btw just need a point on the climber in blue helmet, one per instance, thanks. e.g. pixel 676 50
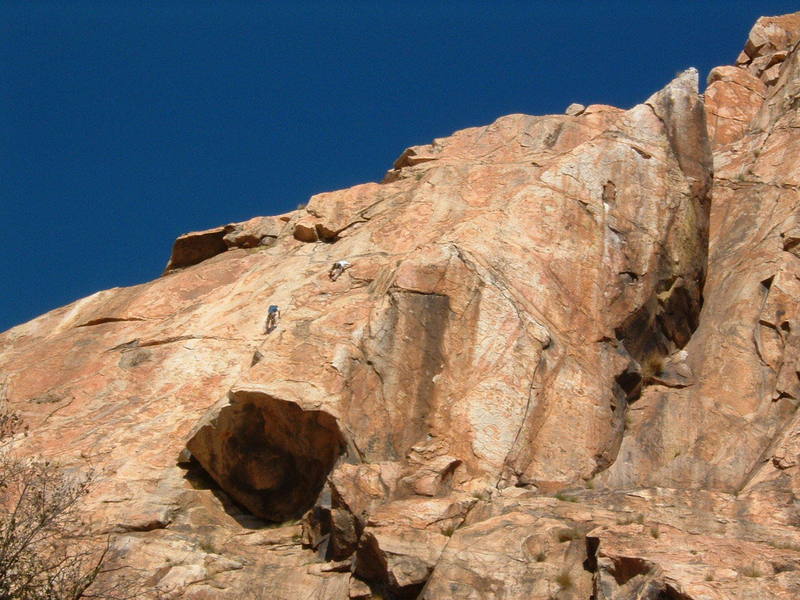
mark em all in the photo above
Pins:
pixel 273 314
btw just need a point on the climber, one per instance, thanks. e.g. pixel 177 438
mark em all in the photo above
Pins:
pixel 338 268
pixel 272 318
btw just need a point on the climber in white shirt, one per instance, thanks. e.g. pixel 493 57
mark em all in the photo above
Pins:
pixel 338 268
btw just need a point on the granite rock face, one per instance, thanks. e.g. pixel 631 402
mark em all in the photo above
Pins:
pixel 744 383
pixel 561 365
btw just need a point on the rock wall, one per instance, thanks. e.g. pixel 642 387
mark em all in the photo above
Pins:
pixel 562 365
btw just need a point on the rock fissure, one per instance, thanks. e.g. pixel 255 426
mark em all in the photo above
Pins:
pixel 505 289
pixel 102 320
pixel 522 424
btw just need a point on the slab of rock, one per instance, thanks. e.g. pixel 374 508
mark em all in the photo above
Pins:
pixel 258 231
pixel 561 365
pixel 732 99
pixel 193 248
pixel 197 246
pixel 575 109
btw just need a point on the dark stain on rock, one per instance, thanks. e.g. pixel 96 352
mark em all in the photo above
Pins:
pixel 48 398
pixel 609 193
pixel 421 320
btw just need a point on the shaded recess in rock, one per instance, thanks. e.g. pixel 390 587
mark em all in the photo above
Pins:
pixel 269 455
pixel 626 568
pixel 592 544
pixel 332 529
pixel 193 248
pixel 372 566
pixel 670 593
pixel 657 329
pixel 103 320
pixel 630 383
pixel 664 324
pixel 199 479
pixel 315 232
pixel 325 234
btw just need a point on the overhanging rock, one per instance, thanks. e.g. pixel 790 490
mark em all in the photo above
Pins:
pixel 268 454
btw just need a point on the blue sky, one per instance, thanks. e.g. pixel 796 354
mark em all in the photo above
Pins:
pixel 125 124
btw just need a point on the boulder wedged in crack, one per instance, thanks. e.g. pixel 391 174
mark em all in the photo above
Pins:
pixel 269 455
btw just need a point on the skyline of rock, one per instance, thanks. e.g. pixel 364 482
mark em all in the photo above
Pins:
pixel 562 365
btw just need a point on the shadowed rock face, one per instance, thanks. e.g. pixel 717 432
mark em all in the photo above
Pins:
pixel 562 365
pixel 197 246
pixel 269 455
pixel 193 248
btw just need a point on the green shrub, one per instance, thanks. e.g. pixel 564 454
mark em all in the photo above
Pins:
pixel 751 571
pixel 564 580
pixel 653 366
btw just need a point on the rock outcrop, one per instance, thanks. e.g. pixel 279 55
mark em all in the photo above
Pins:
pixel 562 365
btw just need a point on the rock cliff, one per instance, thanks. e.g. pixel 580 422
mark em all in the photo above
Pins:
pixel 563 364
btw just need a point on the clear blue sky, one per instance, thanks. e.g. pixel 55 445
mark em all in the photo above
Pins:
pixel 125 124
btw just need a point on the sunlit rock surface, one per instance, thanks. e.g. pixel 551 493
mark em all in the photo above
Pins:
pixel 562 365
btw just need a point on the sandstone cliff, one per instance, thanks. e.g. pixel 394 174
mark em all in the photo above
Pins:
pixel 563 365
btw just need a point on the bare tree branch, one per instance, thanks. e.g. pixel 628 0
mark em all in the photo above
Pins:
pixel 45 552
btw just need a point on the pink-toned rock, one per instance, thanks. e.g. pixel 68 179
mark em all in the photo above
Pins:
pixel 331 215
pixel 522 318
pixel 769 42
pixel 193 248
pixel 575 109
pixel 489 283
pixel 258 231
pixel 197 246
pixel 721 430
pixel 656 543
pixel 732 99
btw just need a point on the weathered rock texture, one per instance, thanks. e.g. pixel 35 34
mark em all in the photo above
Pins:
pixel 562 365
